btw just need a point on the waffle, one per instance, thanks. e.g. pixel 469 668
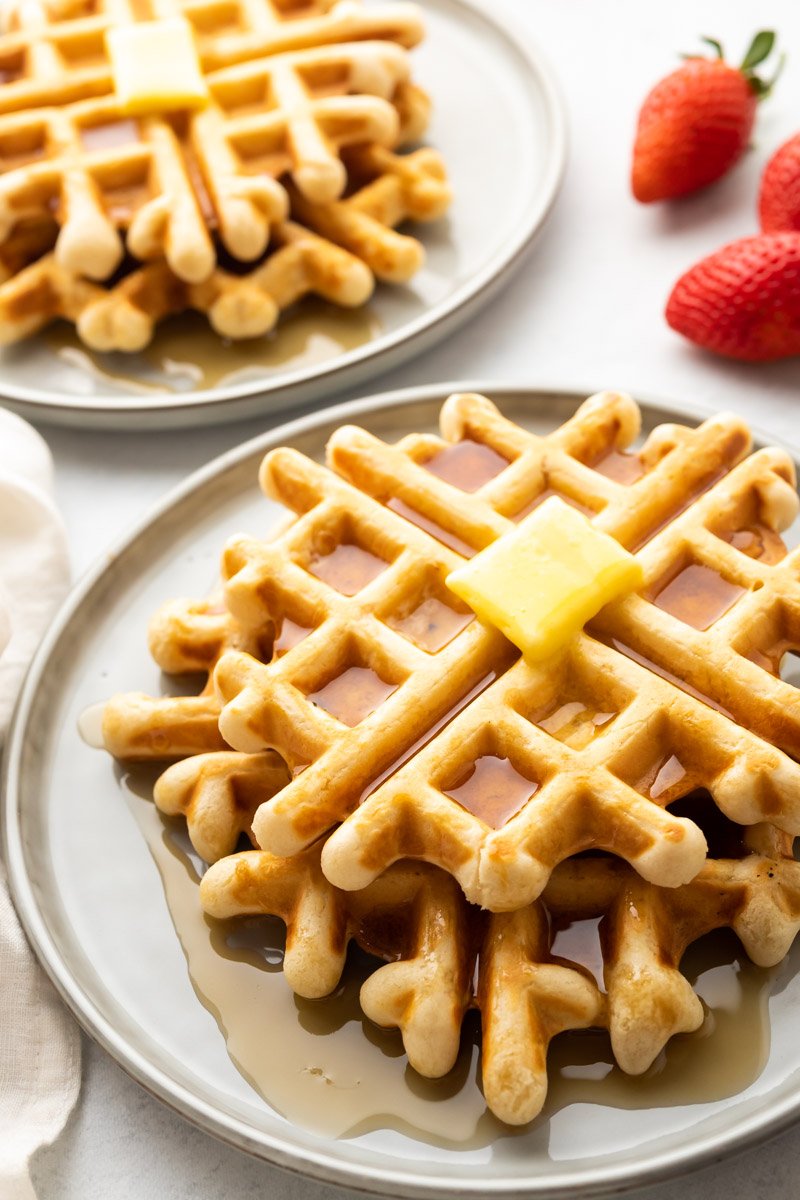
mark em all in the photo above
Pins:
pixel 430 740
pixel 351 688
pixel 216 789
pixel 356 244
pixel 286 183
pixel 53 52
pixel 415 917
pixel 166 182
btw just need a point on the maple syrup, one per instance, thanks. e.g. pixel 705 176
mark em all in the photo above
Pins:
pixel 545 495
pixel 431 625
pixel 90 725
pixel 698 596
pixel 12 69
pixel 109 134
pixel 322 1065
pixel 187 355
pixel 429 734
pixel 120 203
pixel 579 942
pixel 662 777
pixel 353 695
pixel 348 568
pixel 620 466
pixel 722 1058
pixel 492 789
pixel 758 542
pixel 319 1063
pixel 290 634
pixel 574 723
pixel 467 465
pixel 451 540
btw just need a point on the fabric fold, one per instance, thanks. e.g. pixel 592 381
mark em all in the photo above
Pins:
pixel 39 1040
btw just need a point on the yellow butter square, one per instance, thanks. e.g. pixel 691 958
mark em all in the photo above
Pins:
pixel 156 66
pixel 542 582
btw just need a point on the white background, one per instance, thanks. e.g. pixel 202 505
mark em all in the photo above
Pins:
pixel 585 311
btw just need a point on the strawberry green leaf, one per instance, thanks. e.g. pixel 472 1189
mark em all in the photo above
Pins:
pixel 760 47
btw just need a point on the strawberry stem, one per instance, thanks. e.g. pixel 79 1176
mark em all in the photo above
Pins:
pixel 715 45
pixel 759 49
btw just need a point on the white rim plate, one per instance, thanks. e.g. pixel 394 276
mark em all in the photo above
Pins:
pixel 499 122
pixel 91 903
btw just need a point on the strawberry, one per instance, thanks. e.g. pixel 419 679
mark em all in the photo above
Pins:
pixel 779 198
pixel 696 123
pixel 743 301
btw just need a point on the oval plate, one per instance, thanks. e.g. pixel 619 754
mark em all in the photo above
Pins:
pixel 92 904
pixel 500 125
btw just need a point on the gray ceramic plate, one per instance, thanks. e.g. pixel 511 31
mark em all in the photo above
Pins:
pixel 499 123
pixel 93 905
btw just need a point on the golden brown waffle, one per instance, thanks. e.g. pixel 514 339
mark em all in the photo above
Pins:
pixel 584 751
pixel 168 181
pixel 357 242
pixel 415 917
pixel 53 51
pixel 215 788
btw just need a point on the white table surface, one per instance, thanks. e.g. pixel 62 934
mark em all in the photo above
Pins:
pixel 585 311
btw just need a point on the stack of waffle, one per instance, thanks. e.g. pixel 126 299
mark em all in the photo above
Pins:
pixel 410 782
pixel 288 181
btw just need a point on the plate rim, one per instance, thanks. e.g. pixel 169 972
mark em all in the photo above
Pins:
pixel 305 383
pixel 324 1165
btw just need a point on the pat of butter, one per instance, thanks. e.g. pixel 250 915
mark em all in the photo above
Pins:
pixel 542 582
pixel 156 67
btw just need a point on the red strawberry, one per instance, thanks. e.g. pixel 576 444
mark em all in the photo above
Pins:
pixel 696 123
pixel 779 198
pixel 743 301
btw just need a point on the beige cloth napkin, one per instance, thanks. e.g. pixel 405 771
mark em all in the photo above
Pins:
pixel 39 1041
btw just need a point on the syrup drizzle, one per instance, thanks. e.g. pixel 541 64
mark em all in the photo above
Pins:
pixel 621 466
pixel 758 542
pixel 493 789
pixel 290 635
pixel 451 540
pixel 545 495
pixel 353 695
pixel 467 465
pixel 574 723
pixel 698 596
pixel 348 568
pixel 432 624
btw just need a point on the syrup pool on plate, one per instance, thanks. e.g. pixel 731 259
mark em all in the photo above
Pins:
pixel 323 1065
pixel 186 354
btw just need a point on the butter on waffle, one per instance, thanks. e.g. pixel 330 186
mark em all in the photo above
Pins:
pixel 215 788
pixel 357 243
pixel 526 993
pixel 167 182
pixel 53 52
pixel 584 751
